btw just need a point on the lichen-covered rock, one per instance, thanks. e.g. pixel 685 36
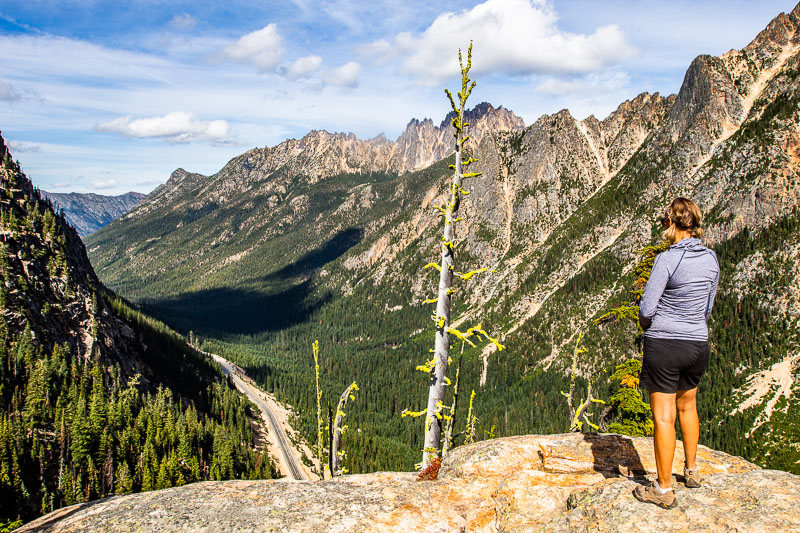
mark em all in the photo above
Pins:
pixel 568 482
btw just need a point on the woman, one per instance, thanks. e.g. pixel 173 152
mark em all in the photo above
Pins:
pixel 673 311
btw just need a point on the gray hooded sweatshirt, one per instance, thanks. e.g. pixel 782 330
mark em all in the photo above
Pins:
pixel 678 297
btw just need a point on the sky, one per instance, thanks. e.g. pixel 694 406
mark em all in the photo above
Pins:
pixel 109 96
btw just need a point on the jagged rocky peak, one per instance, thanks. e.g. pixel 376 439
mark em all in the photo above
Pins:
pixel 321 154
pixel 177 179
pixel 422 143
pixel 177 175
pixel 617 137
pixel 770 47
pixel 180 180
pixel 719 93
pixel 743 73
pixel 777 36
pixel 487 113
pixel 379 139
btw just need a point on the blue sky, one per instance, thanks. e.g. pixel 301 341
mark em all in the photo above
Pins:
pixel 107 97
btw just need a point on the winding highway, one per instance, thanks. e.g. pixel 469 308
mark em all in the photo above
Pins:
pixel 253 394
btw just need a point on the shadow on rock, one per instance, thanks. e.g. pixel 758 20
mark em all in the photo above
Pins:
pixel 615 455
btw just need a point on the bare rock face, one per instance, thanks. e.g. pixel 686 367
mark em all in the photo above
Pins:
pixel 49 286
pixel 422 144
pixel 568 482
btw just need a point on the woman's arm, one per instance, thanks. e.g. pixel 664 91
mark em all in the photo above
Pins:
pixel 659 275
pixel 711 294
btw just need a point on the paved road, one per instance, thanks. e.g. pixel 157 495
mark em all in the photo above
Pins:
pixel 252 393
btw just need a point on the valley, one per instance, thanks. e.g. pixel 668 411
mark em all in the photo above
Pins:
pixel 280 445
pixel 325 237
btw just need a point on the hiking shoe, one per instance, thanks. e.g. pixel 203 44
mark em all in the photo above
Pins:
pixel 649 494
pixel 691 478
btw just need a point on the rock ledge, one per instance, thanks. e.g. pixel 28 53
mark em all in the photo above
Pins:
pixel 567 482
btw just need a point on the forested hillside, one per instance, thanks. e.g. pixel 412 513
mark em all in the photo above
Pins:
pixel 260 260
pixel 96 397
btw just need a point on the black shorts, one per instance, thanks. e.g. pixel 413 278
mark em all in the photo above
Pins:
pixel 671 365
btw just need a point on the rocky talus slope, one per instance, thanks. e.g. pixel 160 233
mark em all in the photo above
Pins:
pixel 569 482
pixel 88 213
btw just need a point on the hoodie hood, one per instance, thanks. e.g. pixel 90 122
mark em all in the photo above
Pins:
pixel 692 244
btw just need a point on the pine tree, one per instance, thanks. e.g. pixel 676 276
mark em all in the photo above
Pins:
pixel 627 405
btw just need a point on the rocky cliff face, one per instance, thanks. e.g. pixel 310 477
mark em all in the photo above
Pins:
pixel 82 374
pixel 550 483
pixel 566 192
pixel 422 144
pixel 90 212
pixel 50 287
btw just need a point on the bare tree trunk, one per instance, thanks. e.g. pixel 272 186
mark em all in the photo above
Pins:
pixel 433 418
pixel 336 455
pixel 332 451
pixel 448 434
pixel 320 458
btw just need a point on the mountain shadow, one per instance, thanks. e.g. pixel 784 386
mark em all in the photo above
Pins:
pixel 315 259
pixel 228 311
pixel 222 311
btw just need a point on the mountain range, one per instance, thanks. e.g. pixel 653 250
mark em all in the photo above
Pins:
pixel 325 238
pixel 90 212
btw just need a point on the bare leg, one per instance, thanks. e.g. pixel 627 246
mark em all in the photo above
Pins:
pixel 686 401
pixel 663 407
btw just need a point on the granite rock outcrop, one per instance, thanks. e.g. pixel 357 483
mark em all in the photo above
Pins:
pixel 569 482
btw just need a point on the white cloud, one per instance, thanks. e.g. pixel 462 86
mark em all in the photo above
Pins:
pixel 261 49
pixel 19 147
pixel 175 127
pixel 347 12
pixel 513 37
pixel 379 50
pixel 346 75
pixel 45 60
pixel 8 93
pixel 60 185
pixel 109 184
pixel 593 83
pixel 184 22
pixel 303 66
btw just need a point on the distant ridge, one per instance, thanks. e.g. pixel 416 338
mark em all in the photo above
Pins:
pixel 89 212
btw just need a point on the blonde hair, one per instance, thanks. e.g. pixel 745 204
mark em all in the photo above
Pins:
pixel 685 215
